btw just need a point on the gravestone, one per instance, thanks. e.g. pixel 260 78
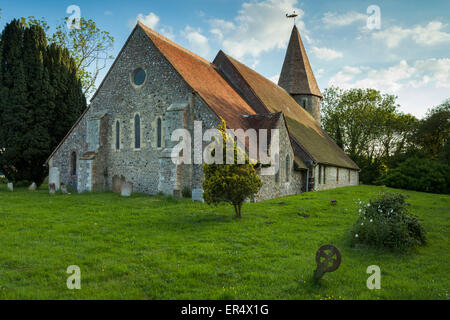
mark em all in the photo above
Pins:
pixel 54 177
pixel 117 183
pixel 52 188
pixel 10 187
pixel 197 195
pixel 328 259
pixel 126 189
pixel 64 189
pixel 32 187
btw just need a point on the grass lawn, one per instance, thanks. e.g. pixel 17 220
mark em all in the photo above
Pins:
pixel 147 247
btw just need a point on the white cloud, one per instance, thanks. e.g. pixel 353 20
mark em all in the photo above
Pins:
pixel 108 13
pixel 431 34
pixel 333 19
pixel 422 73
pixel 434 70
pixel 222 24
pixel 419 86
pixel 275 78
pixel 260 26
pixel 198 43
pixel 167 32
pixel 151 20
pixel 320 73
pixel 326 53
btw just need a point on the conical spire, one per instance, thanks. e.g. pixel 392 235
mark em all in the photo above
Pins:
pixel 297 76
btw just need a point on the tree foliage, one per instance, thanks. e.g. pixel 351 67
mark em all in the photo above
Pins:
pixel 390 147
pixel 420 174
pixel 89 46
pixel 433 131
pixel 368 126
pixel 40 99
pixel 230 182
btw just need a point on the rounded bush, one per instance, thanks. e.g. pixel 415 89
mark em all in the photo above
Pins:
pixel 387 222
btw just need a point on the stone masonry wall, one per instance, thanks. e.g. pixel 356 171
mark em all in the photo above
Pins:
pixel 311 104
pixel 273 187
pixel 121 101
pixel 347 177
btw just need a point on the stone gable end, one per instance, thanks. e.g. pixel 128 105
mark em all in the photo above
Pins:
pixel 120 101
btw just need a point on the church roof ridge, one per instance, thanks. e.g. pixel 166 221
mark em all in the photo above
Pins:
pixel 203 77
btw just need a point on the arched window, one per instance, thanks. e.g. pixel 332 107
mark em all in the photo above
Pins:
pixel 159 133
pixel 288 169
pixel 337 175
pixel 73 160
pixel 320 174
pixel 117 135
pixel 137 132
pixel 277 168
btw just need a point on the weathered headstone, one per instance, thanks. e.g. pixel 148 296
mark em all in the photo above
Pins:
pixel 64 189
pixel 32 187
pixel 10 187
pixel 117 183
pixel 177 194
pixel 328 259
pixel 52 188
pixel 197 195
pixel 126 189
pixel 54 177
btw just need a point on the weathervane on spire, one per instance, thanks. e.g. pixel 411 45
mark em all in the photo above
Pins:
pixel 292 16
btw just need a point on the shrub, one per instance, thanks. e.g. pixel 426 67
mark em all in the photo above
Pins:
pixel 419 174
pixel 3 180
pixel 387 222
pixel 233 183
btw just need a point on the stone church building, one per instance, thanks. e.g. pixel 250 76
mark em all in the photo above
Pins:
pixel 156 86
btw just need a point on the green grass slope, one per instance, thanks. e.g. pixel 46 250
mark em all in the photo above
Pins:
pixel 147 247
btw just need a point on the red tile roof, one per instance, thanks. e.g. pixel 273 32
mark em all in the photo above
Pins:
pixel 301 125
pixel 203 77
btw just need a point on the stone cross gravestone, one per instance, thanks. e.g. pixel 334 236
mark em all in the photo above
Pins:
pixel 328 259
pixel 10 187
pixel 32 187
pixel 126 189
pixel 52 188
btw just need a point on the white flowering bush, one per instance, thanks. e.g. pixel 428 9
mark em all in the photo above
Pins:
pixel 387 222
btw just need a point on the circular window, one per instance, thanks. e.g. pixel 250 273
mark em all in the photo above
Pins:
pixel 139 77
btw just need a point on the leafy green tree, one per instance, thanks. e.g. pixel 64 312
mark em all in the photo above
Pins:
pixel 15 113
pixel 67 98
pixel 368 127
pixel 89 46
pixel 444 156
pixel 230 182
pixel 40 99
pixel 434 130
pixel 420 174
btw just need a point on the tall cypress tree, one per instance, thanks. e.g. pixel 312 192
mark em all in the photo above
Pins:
pixel 41 99
pixel 15 115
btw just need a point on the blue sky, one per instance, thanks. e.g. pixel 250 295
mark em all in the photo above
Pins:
pixel 409 55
